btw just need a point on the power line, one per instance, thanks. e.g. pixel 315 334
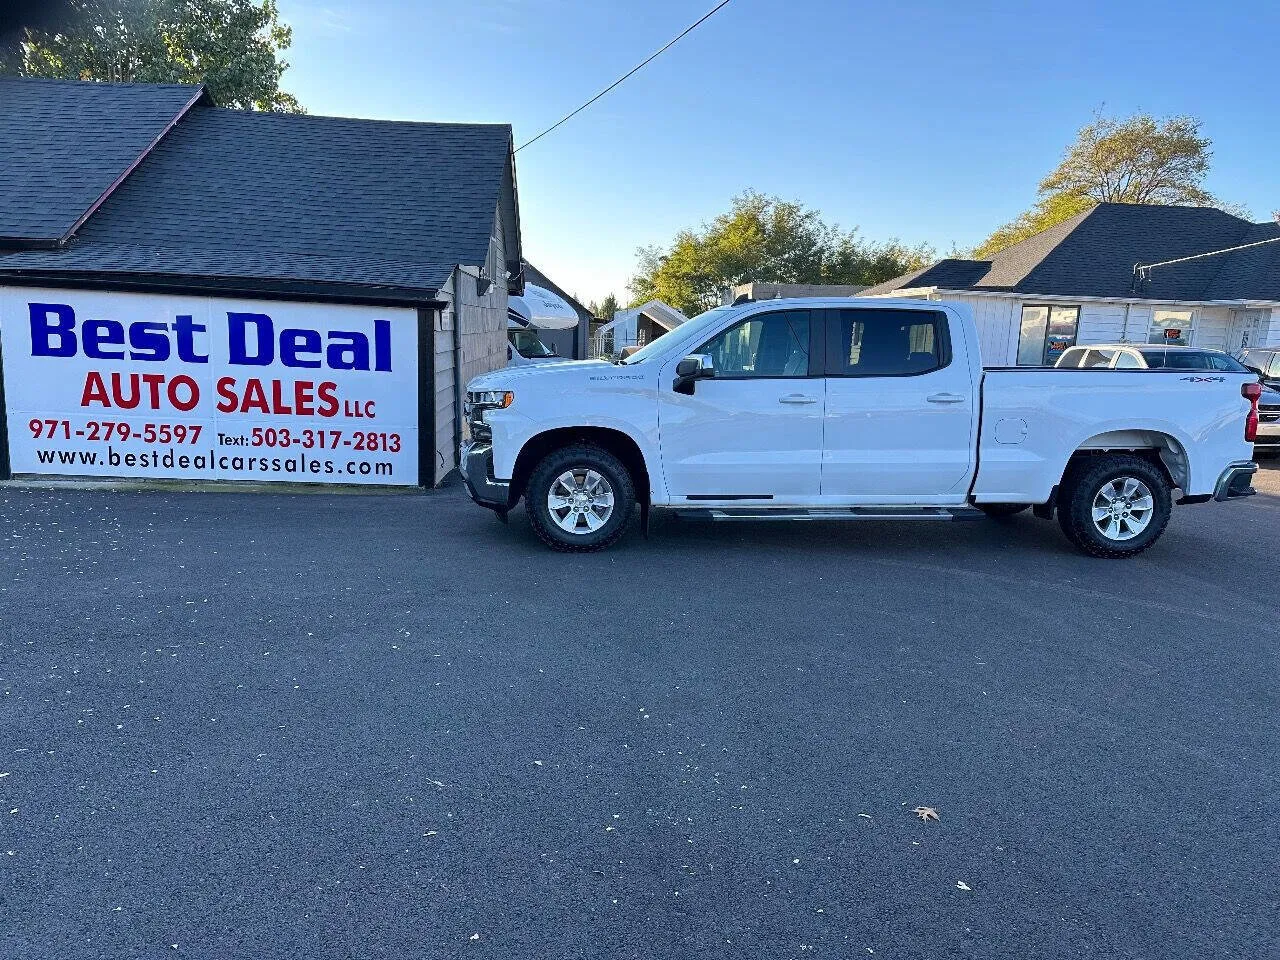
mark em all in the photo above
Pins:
pixel 634 70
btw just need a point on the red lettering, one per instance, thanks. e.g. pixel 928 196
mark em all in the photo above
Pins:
pixel 95 391
pixel 303 398
pixel 117 391
pixel 328 393
pixel 183 382
pixel 227 391
pixel 155 381
pixel 255 398
pixel 278 406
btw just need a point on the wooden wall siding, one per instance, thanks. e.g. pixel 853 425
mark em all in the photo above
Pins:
pixel 470 339
pixel 1212 325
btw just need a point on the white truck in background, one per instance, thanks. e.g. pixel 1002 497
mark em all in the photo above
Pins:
pixel 848 409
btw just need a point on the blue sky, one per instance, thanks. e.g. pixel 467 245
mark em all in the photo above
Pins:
pixel 927 121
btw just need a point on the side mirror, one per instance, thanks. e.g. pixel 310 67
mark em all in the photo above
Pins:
pixel 690 370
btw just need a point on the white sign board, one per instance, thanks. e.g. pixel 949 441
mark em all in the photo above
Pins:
pixel 156 385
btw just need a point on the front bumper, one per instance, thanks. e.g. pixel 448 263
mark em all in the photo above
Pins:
pixel 476 466
pixel 1235 481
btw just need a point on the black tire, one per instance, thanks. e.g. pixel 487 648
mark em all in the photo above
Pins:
pixel 580 457
pixel 1084 484
pixel 999 511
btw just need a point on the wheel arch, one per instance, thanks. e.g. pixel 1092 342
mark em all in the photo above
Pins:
pixel 1160 447
pixel 621 444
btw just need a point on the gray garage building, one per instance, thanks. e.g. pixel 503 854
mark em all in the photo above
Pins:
pixel 154 191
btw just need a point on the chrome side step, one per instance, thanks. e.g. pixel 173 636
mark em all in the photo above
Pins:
pixel 831 513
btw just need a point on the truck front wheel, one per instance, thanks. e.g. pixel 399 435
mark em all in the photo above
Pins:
pixel 579 498
pixel 1115 505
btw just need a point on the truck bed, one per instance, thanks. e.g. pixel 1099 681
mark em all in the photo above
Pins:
pixel 1033 419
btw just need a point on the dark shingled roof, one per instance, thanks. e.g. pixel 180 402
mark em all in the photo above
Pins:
pixel 233 195
pixel 64 143
pixel 1093 255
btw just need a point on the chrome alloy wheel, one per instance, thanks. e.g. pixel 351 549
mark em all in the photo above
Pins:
pixel 580 501
pixel 1123 508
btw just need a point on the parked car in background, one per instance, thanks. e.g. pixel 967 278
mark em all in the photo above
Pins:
pixel 846 409
pixel 1265 362
pixel 1141 356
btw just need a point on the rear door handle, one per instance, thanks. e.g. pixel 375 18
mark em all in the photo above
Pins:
pixel 797 398
pixel 945 398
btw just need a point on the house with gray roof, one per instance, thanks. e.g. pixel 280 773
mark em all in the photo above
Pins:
pixel 155 190
pixel 1116 273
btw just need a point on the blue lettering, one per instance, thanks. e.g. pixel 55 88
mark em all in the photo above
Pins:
pixel 148 341
pixel 238 348
pixel 293 342
pixel 99 333
pixel 43 330
pixel 187 328
pixel 382 345
pixel 350 353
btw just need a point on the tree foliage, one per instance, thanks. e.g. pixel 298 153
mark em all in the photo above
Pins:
pixel 234 47
pixel 1135 160
pixel 766 239
pixel 606 308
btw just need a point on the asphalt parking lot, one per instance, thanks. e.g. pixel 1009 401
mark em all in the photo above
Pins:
pixel 319 727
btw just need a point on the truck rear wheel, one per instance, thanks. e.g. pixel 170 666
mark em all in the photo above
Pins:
pixel 579 498
pixel 1115 505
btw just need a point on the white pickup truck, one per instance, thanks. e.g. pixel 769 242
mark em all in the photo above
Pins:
pixel 846 409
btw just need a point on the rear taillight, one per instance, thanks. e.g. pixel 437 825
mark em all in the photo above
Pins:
pixel 1251 392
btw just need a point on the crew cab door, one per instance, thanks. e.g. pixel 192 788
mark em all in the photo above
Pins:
pixel 901 410
pixel 752 432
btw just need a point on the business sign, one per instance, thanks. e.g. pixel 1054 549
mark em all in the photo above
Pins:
pixel 143 385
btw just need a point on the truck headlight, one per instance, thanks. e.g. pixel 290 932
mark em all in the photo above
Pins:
pixel 491 399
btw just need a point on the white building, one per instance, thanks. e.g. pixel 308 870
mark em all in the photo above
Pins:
pixel 1118 272
pixel 635 326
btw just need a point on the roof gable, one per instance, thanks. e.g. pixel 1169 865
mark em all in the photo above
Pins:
pixel 65 144
pixel 316 187
pixel 1094 254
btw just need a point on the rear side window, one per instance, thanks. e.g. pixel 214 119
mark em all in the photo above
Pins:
pixel 1071 358
pixel 886 343
pixel 1176 360
pixel 1098 358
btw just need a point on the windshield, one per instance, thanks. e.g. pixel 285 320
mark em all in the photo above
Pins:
pixel 686 331
pixel 528 345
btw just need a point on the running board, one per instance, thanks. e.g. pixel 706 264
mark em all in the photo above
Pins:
pixel 832 513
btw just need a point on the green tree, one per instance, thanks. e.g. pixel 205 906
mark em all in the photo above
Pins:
pixel 1136 160
pixel 234 47
pixel 606 309
pixel 766 239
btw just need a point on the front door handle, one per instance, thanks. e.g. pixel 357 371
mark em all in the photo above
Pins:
pixel 945 398
pixel 797 398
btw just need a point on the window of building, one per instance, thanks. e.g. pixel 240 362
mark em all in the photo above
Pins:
pixel 764 345
pixel 1171 327
pixel 885 343
pixel 1046 333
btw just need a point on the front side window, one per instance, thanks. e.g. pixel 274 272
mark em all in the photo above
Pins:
pixel 763 345
pixel 1171 328
pixel 885 343
pixel 1046 333
pixel 1072 358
